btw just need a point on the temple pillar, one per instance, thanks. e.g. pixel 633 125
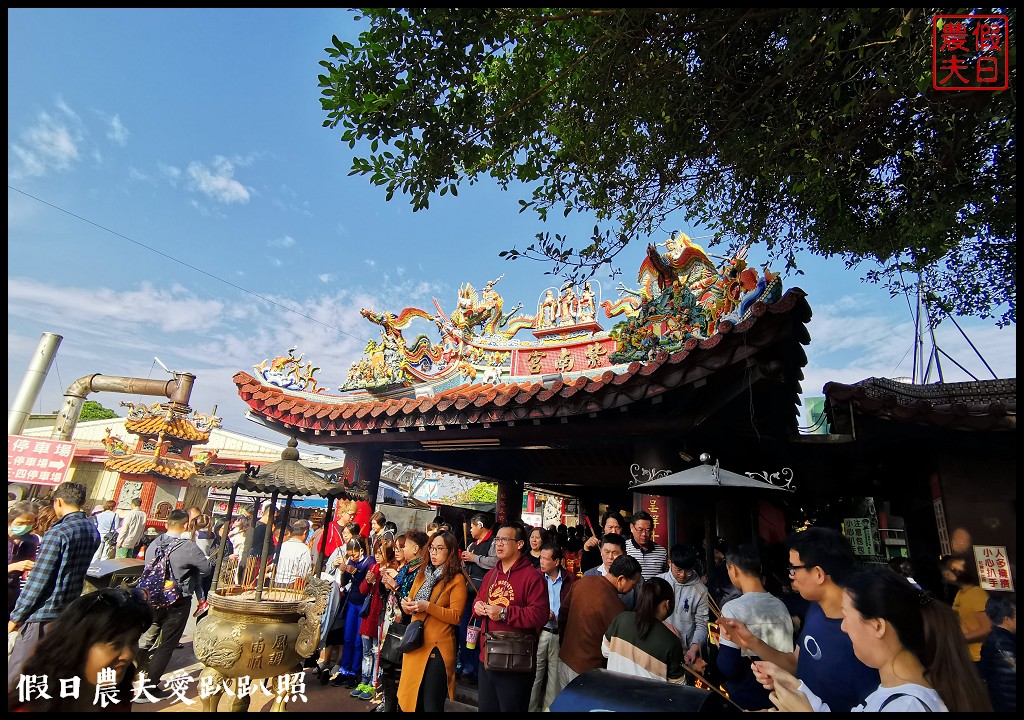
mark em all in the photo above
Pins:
pixel 509 506
pixel 362 469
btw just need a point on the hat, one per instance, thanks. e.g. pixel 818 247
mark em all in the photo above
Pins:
pixel 97 509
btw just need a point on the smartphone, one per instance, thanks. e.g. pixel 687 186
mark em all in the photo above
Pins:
pixel 713 633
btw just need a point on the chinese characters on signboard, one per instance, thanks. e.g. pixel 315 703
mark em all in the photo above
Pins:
pixel 38 461
pixel 969 52
pixel 862 533
pixel 993 568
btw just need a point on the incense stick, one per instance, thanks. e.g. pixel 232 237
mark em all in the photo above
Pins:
pixel 711 687
pixel 711 603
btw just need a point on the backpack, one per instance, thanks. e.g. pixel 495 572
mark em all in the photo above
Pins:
pixel 157 579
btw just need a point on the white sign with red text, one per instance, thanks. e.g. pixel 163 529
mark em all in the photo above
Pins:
pixel 38 461
pixel 993 568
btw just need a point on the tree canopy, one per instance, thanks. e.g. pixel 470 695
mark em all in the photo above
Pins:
pixel 805 129
pixel 92 410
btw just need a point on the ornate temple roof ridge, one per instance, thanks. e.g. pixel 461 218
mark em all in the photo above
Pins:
pixel 544 395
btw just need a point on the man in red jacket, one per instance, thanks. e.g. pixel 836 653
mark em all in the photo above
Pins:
pixel 512 597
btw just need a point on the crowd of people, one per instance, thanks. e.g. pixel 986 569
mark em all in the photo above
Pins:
pixel 836 637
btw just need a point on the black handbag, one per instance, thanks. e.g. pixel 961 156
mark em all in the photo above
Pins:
pixel 389 651
pixel 364 611
pixel 413 637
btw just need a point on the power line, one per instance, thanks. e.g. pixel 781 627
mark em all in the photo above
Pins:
pixel 185 264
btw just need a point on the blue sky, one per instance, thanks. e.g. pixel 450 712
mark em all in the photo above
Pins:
pixel 172 193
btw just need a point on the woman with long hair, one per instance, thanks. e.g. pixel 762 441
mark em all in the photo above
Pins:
pixel 356 566
pixel 913 641
pixel 437 597
pixel 414 546
pixel 95 639
pixel 385 563
pixel 22 545
pixel 640 642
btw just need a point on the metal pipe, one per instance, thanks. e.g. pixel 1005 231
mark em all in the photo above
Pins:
pixel 32 383
pixel 178 390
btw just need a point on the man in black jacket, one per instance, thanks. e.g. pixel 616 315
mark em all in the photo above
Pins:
pixel 479 557
pixel 998 664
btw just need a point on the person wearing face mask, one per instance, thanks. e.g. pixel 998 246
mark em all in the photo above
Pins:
pixel 21 547
pixel 56 578
pixel 95 639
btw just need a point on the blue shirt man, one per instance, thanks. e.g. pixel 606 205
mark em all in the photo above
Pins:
pixel 57 577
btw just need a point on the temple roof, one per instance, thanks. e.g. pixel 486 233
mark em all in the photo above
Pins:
pixel 286 476
pixel 986 405
pixel 325 419
pixel 142 464
pixel 179 427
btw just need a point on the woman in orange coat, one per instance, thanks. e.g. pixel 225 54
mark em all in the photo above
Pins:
pixel 438 597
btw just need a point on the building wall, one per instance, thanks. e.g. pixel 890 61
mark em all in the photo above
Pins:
pixel 980 500
pixel 101 484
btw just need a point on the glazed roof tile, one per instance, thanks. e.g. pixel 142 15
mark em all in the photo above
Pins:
pixel 534 397
pixel 179 427
pixel 143 464
pixel 981 405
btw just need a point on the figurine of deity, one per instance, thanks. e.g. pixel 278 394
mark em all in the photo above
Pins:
pixel 567 305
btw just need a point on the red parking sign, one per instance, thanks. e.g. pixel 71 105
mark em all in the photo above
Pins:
pixel 38 461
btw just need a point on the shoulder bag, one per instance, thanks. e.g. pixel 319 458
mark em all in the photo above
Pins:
pixel 412 639
pixel 364 610
pixel 389 651
pixel 508 651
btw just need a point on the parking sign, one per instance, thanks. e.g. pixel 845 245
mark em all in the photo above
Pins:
pixel 38 461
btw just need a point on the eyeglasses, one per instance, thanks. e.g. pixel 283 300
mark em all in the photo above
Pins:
pixel 642 531
pixel 502 541
pixel 438 548
pixel 791 569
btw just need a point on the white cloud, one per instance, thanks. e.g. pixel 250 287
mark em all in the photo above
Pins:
pixel 325 277
pixel 217 182
pixel 102 310
pixel 48 146
pixel 282 242
pixel 117 132
pixel 371 263
pixel 171 172
pixel 276 262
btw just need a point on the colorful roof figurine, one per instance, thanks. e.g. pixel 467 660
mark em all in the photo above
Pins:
pixel 152 420
pixel 166 431
pixel 672 329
